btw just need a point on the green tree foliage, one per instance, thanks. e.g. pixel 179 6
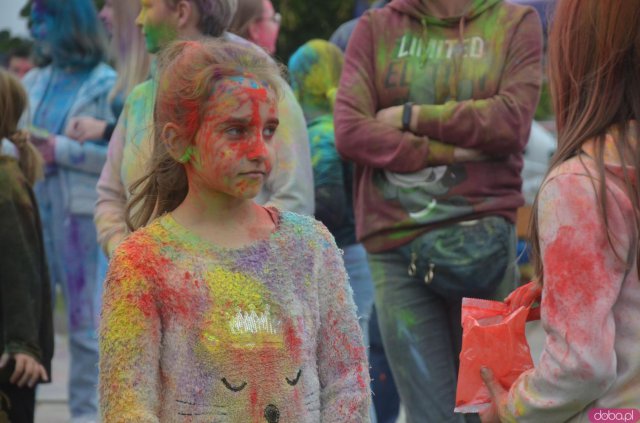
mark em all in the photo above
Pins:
pixel 303 20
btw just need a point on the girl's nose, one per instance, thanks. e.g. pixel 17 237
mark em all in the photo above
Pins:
pixel 258 150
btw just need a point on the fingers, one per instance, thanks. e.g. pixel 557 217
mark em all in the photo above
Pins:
pixel 489 415
pixel 36 374
pixel 18 371
pixel 43 374
pixel 524 296
pixel 4 360
pixel 73 128
pixel 26 375
pixel 495 389
pixel 28 371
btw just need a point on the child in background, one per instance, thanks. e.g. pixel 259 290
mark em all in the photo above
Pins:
pixel 585 225
pixel 26 323
pixel 221 308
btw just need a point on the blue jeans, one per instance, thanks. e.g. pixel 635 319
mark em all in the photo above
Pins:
pixel 355 262
pixel 421 330
pixel 71 248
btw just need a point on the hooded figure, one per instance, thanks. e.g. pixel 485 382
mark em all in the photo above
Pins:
pixel 435 107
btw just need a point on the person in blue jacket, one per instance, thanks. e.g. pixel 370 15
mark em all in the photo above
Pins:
pixel 76 82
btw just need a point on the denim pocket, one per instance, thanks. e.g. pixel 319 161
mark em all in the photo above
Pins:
pixel 467 259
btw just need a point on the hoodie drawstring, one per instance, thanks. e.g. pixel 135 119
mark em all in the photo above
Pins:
pixel 457 59
pixel 458 53
pixel 425 42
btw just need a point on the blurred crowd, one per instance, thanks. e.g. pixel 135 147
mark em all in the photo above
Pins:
pixel 416 134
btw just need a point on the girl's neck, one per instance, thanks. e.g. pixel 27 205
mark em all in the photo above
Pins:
pixel 224 220
pixel 213 208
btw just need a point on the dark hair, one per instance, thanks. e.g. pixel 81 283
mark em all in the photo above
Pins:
pixel 76 37
pixel 594 72
pixel 187 74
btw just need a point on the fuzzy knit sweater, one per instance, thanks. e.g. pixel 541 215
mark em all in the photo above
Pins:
pixel 192 332
pixel 590 301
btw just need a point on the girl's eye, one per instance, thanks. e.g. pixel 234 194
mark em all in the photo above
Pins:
pixel 235 131
pixel 269 131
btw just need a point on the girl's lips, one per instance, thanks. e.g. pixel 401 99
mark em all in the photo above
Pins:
pixel 254 174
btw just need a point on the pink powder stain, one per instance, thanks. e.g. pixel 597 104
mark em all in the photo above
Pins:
pixel 256 410
pixel 293 341
pixel 350 352
pixel 566 258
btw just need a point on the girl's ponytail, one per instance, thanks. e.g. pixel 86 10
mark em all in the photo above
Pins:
pixel 160 191
pixel 13 102
pixel 30 160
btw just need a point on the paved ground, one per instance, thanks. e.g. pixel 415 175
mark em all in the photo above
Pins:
pixel 52 398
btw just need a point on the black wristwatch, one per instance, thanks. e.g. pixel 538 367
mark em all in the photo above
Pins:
pixel 406 115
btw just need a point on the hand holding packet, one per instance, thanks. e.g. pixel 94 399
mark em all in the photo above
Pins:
pixel 493 336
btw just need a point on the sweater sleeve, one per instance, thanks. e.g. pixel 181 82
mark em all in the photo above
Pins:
pixel 18 265
pixel 342 359
pixel 359 136
pixel 130 336
pixel 498 125
pixel 582 281
pixel 111 205
pixel 290 185
pixel 88 157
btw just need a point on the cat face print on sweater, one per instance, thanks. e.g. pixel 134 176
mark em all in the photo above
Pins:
pixel 253 354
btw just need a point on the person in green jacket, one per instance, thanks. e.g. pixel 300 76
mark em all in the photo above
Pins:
pixel 26 321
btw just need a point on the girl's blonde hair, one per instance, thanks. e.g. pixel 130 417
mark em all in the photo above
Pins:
pixel 187 74
pixel 13 103
pixel 128 45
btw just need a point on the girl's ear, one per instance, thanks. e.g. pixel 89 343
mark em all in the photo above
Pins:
pixel 175 144
pixel 186 12
pixel 254 30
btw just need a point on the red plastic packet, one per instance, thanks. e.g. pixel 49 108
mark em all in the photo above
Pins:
pixel 494 337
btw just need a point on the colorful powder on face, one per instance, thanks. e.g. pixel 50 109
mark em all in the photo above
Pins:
pixel 233 139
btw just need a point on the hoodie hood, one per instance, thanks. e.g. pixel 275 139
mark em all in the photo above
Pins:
pixel 418 9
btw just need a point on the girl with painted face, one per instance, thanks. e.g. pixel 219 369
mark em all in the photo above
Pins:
pixel 585 227
pixel 75 83
pixel 26 323
pixel 216 306
pixel 258 22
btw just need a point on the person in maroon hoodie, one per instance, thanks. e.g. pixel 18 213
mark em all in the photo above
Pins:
pixel 434 107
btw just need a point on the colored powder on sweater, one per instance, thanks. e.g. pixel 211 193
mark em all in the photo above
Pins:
pixel 195 332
